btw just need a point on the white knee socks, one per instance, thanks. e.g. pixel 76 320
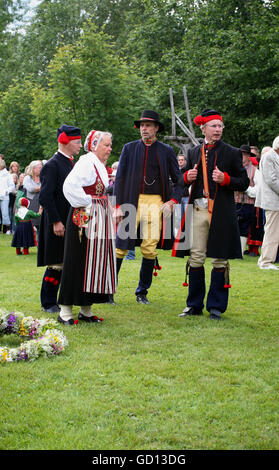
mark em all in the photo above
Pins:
pixel 66 312
pixel 86 310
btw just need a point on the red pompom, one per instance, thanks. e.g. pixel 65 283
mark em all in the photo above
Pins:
pixel 160 267
pixel 155 274
pixel 47 279
pixel 199 120
pixel 227 286
pixel 55 282
pixel 185 284
pixel 63 138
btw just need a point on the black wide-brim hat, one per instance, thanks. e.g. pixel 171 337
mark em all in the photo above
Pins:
pixel 247 149
pixel 148 115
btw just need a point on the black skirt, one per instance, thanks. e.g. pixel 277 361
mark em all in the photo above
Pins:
pixel 72 281
pixel 24 236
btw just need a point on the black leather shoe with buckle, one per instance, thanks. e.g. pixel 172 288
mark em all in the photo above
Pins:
pixel 142 299
pixel 65 322
pixel 92 319
pixel 215 314
pixel 190 311
pixel 53 309
pixel 110 299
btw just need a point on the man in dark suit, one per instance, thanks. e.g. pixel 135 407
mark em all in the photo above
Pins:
pixel 55 213
pixel 214 171
pixel 143 181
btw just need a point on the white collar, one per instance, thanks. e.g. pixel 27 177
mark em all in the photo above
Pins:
pixel 65 155
pixel 100 167
pixel 22 211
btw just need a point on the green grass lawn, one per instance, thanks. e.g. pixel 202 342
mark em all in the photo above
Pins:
pixel 145 378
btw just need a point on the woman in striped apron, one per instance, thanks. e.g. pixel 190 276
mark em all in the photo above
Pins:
pixel 89 267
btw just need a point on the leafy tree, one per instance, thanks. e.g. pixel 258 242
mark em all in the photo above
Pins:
pixel 54 24
pixel 18 136
pixel 10 12
pixel 90 86
pixel 229 61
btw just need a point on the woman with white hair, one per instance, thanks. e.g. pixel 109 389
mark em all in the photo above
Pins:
pixel 31 181
pixel 7 185
pixel 89 266
pixel 269 201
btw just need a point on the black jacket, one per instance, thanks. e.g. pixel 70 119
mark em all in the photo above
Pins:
pixel 224 238
pixel 55 208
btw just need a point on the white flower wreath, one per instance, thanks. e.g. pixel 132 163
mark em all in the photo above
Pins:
pixel 44 337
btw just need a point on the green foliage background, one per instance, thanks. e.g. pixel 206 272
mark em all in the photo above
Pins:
pixel 97 64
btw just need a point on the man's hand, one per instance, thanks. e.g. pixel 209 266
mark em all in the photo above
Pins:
pixel 167 208
pixel 58 229
pixel 192 174
pixel 118 215
pixel 218 176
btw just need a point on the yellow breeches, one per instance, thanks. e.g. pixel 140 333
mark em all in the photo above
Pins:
pixel 149 219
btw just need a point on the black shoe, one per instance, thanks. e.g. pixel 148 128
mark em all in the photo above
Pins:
pixel 190 311
pixel 92 319
pixel 110 299
pixel 215 314
pixel 142 299
pixel 65 322
pixel 53 309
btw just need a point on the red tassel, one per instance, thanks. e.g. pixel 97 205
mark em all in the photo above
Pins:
pixel 157 267
pixel 187 267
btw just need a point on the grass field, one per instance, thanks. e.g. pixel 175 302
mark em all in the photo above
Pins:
pixel 145 378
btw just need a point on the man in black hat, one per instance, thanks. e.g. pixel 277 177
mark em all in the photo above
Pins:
pixel 143 182
pixel 214 171
pixel 55 213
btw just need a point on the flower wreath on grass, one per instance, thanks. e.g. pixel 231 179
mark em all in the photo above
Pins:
pixel 44 337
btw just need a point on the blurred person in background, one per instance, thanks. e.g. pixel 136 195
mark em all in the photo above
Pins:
pixel 7 185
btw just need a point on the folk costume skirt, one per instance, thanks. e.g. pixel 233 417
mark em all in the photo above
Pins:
pixel 89 267
pixel 24 235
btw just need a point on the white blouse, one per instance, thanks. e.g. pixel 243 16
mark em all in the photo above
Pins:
pixel 83 174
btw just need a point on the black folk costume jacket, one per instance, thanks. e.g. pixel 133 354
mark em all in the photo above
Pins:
pixel 55 209
pixel 128 184
pixel 224 238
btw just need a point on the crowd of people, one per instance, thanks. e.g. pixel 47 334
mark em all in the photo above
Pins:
pixel 87 217
pixel 15 185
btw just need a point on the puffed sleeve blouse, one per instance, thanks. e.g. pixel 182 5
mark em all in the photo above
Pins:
pixel 83 174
